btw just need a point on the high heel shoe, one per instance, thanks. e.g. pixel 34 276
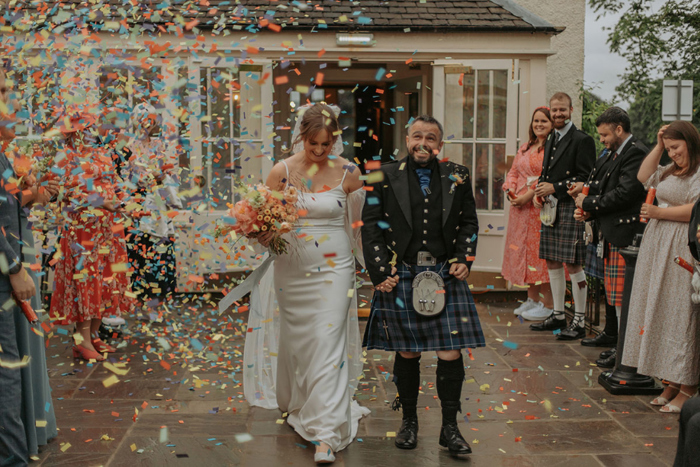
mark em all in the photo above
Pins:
pixel 86 354
pixel 100 346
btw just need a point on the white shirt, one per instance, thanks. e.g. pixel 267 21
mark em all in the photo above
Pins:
pixel 564 130
pixel 622 146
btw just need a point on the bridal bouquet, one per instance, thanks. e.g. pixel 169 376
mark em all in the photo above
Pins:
pixel 262 210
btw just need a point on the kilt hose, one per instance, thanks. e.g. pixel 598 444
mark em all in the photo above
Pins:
pixel 563 242
pixel 614 274
pixel 395 326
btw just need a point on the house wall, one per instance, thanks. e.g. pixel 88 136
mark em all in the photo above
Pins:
pixel 565 67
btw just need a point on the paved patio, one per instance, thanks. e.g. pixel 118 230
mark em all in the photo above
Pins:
pixel 533 405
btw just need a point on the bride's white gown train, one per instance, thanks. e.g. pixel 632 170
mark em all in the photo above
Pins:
pixel 305 331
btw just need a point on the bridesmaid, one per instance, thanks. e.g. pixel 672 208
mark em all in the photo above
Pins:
pixel 521 263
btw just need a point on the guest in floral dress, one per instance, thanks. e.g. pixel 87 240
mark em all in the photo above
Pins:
pixel 521 263
pixel 90 279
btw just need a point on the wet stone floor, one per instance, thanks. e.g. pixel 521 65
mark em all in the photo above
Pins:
pixel 173 395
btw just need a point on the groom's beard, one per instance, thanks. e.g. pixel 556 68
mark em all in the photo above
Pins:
pixel 420 157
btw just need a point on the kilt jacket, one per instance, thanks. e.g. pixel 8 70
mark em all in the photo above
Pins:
pixel 387 224
pixel 570 161
pixel 616 196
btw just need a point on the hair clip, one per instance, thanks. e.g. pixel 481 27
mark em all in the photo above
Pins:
pixel 542 107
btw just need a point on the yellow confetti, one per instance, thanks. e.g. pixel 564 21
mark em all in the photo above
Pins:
pixel 391 434
pixel 133 447
pixel 65 447
pixel 110 381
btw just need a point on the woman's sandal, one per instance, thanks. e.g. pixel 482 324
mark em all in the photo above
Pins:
pixel 670 408
pixel 662 401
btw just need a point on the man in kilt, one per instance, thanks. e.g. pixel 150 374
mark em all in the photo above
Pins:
pixel 614 202
pixel 569 155
pixel 422 217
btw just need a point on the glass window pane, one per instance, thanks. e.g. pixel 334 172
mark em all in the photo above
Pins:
pixel 481 176
pixel 219 104
pixel 500 103
pixel 249 108
pixel 461 153
pixel 346 102
pixel 482 104
pixel 468 104
pixel 454 126
pixel 217 163
pixel 499 173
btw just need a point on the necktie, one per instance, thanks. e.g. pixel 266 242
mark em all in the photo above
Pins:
pixel 557 137
pixel 424 179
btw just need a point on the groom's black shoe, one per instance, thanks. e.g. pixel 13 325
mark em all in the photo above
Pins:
pixel 452 439
pixel 601 340
pixel 407 437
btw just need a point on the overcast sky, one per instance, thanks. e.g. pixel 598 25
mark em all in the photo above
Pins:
pixel 602 68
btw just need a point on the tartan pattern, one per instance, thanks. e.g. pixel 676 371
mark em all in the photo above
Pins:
pixel 457 327
pixel 614 274
pixel 594 266
pixel 563 242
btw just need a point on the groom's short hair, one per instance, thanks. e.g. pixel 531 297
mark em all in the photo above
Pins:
pixel 426 119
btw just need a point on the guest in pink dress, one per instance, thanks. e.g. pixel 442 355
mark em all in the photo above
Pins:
pixel 521 263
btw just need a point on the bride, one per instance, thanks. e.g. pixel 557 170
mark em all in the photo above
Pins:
pixel 310 337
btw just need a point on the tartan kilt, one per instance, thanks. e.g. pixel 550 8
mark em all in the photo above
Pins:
pixel 395 326
pixel 614 274
pixel 594 266
pixel 563 242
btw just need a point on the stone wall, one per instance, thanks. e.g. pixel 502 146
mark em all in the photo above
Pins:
pixel 565 68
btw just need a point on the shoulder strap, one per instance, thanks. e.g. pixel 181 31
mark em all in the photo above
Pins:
pixel 286 167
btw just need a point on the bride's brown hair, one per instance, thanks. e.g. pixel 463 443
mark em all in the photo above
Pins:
pixel 318 117
pixel 684 131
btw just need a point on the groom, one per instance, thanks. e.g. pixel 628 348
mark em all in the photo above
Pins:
pixel 422 217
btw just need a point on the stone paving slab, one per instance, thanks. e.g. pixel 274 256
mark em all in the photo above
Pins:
pixel 538 404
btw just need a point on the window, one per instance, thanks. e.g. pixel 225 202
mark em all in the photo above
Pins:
pixel 231 129
pixel 475 129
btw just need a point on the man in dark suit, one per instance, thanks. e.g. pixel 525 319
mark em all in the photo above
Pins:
pixel 614 202
pixel 422 218
pixel 569 155
pixel 13 278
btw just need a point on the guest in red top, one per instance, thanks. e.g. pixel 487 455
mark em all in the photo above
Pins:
pixel 90 279
pixel 521 263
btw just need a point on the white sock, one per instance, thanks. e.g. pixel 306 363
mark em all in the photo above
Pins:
pixel 557 282
pixel 618 310
pixel 580 294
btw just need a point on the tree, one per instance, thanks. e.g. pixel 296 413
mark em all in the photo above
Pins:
pixel 593 106
pixel 659 40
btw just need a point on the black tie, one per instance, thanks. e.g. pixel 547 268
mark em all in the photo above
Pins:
pixel 557 137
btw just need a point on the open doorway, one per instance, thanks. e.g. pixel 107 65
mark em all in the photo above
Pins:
pixel 374 113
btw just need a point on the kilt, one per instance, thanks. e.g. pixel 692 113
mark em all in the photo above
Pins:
pixel 594 266
pixel 394 325
pixel 563 242
pixel 614 274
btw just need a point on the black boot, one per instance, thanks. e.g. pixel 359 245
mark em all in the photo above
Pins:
pixel 407 380
pixel 450 377
pixel 451 438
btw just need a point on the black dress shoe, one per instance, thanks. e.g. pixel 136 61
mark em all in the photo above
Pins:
pixel 549 324
pixel 607 362
pixel 573 332
pixel 407 437
pixel 452 439
pixel 601 340
pixel 606 353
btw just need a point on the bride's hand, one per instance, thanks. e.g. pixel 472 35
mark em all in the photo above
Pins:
pixel 265 238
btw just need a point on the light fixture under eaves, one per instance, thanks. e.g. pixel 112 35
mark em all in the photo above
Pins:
pixel 345 39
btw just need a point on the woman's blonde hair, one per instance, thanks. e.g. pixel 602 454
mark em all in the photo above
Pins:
pixel 316 118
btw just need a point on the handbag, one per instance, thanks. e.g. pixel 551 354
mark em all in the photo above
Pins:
pixel 548 213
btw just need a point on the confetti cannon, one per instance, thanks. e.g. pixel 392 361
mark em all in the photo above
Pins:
pixel 27 309
pixel 651 194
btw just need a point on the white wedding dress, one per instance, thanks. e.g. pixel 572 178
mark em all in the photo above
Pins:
pixel 303 346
